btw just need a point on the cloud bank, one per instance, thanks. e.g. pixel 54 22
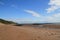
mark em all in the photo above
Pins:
pixel 53 18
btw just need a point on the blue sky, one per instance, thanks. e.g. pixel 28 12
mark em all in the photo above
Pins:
pixel 30 11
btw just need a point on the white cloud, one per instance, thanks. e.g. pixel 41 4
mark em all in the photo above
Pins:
pixel 54 4
pixel 33 13
pixel 50 19
pixel 57 15
pixel 53 18
pixel 42 19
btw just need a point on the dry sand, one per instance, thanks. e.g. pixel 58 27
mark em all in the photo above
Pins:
pixel 8 32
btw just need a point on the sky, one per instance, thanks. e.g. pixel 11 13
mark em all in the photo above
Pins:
pixel 30 11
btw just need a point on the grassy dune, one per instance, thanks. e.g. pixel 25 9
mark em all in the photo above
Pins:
pixel 8 32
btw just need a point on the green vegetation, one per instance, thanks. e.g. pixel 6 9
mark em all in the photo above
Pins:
pixel 6 22
pixel 9 22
